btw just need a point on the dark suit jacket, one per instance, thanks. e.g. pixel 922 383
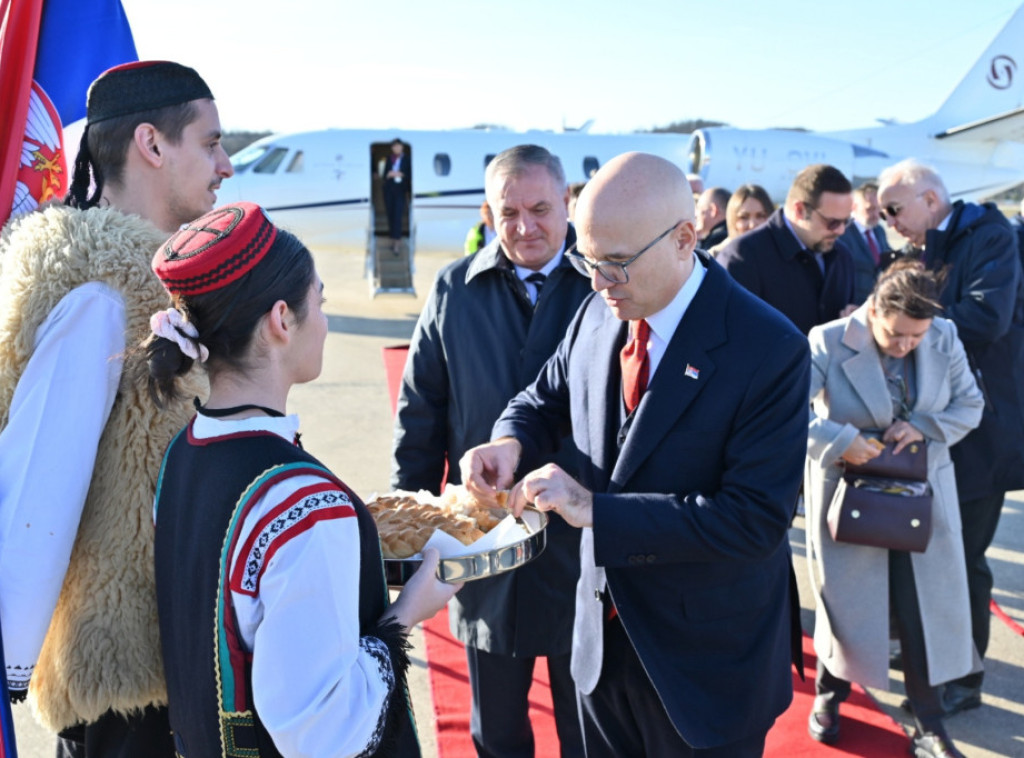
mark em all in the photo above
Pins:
pixel 770 262
pixel 865 270
pixel 405 166
pixel 478 342
pixel 691 514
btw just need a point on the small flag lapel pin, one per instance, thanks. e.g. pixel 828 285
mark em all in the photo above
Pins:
pixel 691 372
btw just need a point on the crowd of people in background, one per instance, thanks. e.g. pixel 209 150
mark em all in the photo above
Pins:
pixel 593 336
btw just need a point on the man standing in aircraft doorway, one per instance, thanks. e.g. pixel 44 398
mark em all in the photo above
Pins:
pixel 397 181
pixel 984 297
pixel 81 444
pixel 490 322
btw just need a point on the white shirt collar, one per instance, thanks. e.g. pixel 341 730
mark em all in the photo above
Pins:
pixel 945 222
pixel 206 427
pixel 665 322
pixel 522 272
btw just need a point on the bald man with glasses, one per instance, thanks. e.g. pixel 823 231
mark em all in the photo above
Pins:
pixel 687 400
pixel 795 261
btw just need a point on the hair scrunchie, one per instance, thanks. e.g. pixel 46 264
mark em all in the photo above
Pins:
pixel 172 325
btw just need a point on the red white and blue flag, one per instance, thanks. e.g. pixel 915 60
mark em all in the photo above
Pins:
pixel 50 51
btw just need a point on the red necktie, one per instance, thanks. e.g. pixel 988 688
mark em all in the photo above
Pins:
pixel 636 366
pixel 873 244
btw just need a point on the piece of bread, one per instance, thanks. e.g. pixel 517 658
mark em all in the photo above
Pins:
pixel 405 523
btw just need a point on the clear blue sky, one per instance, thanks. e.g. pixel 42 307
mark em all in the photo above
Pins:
pixel 310 64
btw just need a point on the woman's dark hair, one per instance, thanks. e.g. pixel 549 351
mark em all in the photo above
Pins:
pixel 226 318
pixel 909 288
pixel 104 148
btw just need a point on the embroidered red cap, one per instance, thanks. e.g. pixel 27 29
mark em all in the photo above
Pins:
pixel 215 249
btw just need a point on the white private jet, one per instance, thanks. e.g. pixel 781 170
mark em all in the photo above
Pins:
pixel 326 185
pixel 975 139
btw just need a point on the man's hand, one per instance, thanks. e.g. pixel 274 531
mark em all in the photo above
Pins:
pixel 902 433
pixel 551 489
pixel 490 467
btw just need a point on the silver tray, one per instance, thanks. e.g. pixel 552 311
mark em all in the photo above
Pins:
pixel 466 568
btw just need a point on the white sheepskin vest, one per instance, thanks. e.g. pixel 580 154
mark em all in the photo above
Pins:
pixel 102 650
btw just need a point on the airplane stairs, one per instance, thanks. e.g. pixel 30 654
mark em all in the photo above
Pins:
pixel 391 272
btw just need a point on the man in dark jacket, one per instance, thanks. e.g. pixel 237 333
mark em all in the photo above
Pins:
pixel 984 297
pixel 865 239
pixel 490 322
pixel 711 227
pixel 794 261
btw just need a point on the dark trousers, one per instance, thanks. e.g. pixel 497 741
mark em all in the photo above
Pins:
pixel 113 736
pixel 923 697
pixel 624 718
pixel 394 203
pixel 980 519
pixel 500 720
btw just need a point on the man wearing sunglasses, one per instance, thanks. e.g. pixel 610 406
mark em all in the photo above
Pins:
pixel 794 261
pixel 984 297
pixel 691 421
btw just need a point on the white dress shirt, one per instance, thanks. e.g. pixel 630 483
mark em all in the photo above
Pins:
pixel 317 685
pixel 665 322
pixel 47 453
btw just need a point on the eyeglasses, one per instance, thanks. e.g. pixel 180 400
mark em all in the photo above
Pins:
pixel 892 210
pixel 832 223
pixel 613 271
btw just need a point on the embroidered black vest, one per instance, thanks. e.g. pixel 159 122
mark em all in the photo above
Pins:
pixel 205 490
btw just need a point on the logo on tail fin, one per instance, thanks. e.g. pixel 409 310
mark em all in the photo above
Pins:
pixel 1001 71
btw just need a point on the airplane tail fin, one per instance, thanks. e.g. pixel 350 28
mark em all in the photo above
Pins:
pixel 995 84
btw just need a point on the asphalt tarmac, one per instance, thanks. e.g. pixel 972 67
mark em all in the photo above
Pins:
pixel 347 423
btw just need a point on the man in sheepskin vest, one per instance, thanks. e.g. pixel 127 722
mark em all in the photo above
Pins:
pixel 80 443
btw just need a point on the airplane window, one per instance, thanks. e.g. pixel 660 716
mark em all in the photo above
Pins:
pixel 241 160
pixel 270 162
pixel 590 166
pixel 487 159
pixel 295 167
pixel 442 164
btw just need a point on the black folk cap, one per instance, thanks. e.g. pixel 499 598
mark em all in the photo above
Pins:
pixel 142 86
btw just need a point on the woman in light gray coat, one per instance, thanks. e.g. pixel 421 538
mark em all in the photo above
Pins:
pixel 889 370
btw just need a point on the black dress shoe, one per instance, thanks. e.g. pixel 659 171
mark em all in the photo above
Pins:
pixel 932 745
pixel 823 723
pixel 956 698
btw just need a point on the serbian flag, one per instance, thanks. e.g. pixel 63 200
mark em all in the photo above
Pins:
pixel 50 52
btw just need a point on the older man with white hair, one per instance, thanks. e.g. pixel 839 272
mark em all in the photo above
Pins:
pixel 984 297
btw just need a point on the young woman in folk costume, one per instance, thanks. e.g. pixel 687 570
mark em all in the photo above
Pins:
pixel 275 626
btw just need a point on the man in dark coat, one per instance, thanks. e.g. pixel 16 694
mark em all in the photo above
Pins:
pixel 711 226
pixel 865 239
pixel 490 322
pixel 690 461
pixel 794 261
pixel 984 297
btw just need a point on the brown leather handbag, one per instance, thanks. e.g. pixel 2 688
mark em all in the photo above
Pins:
pixel 886 502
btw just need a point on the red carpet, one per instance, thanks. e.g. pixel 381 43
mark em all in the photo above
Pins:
pixel 866 730
pixel 449 684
